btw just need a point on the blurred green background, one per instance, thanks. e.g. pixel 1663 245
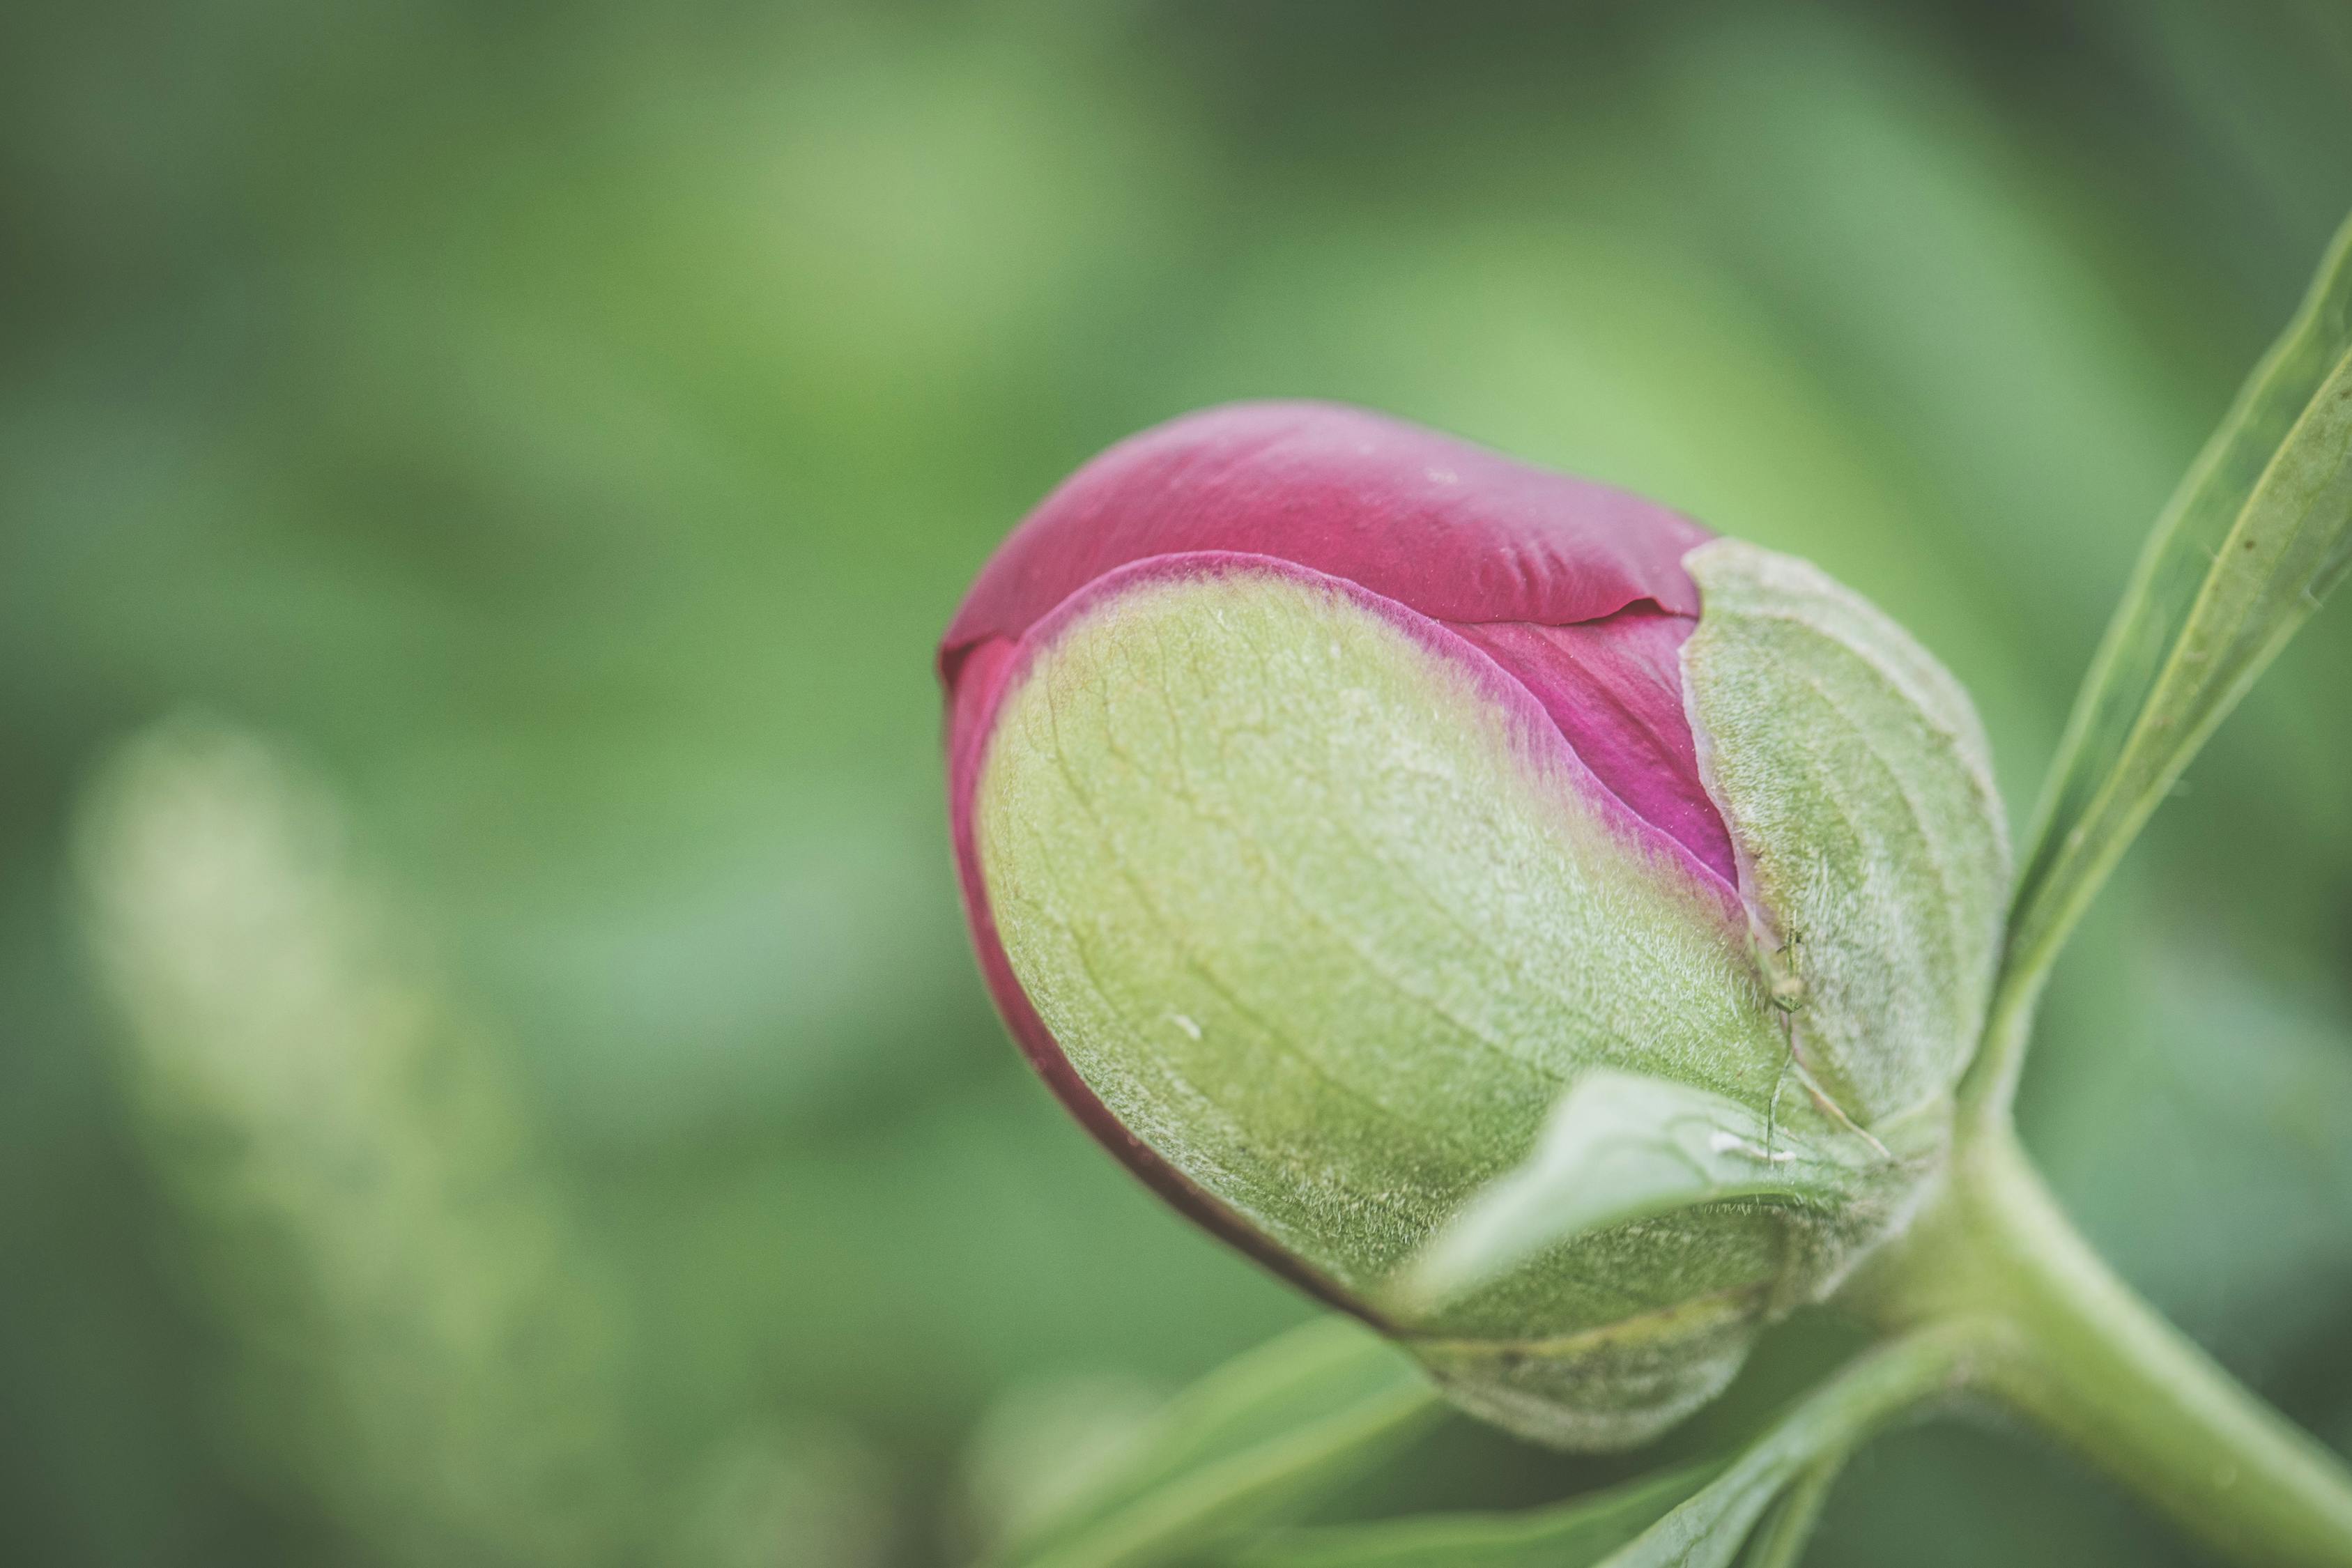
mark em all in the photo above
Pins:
pixel 493 1073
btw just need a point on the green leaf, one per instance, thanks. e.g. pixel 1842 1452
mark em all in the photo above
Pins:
pixel 1623 1147
pixel 2258 533
pixel 1781 1541
pixel 1252 1442
pixel 1709 1531
pixel 1698 1518
pixel 1573 1534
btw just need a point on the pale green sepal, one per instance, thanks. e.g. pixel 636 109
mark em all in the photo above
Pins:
pixel 1318 917
pixel 1617 1386
pixel 1318 905
pixel 1623 1147
pixel 1858 788
pixel 1646 1163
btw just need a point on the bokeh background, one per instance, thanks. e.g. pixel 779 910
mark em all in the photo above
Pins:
pixel 492 1072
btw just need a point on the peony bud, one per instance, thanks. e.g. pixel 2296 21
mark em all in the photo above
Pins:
pixel 1543 931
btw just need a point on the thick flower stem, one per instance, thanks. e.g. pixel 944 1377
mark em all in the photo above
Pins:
pixel 2083 1356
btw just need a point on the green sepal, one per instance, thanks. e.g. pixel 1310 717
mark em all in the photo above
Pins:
pixel 1325 923
pixel 1858 788
pixel 1619 1148
pixel 1321 909
pixel 1624 1383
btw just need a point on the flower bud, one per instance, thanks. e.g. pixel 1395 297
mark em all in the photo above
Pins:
pixel 1357 826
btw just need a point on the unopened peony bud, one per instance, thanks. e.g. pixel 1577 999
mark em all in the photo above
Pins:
pixel 1543 931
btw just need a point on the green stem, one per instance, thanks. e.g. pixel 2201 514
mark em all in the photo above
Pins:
pixel 2081 1354
pixel 1990 1088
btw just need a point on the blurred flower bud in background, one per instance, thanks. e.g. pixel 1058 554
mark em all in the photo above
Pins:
pixel 420 1346
pixel 1543 931
pixel 426 1348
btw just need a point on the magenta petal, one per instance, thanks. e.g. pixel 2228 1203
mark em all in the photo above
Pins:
pixel 1615 689
pixel 1453 531
pixel 1576 588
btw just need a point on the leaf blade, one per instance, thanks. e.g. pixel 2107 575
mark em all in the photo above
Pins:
pixel 1710 1529
pixel 1781 1541
pixel 1574 1534
pixel 1696 1518
pixel 2258 533
pixel 1264 1433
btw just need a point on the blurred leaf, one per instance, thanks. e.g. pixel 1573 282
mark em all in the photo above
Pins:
pixel 1042 1445
pixel 2259 532
pixel 776 1496
pixel 1621 1147
pixel 1570 1535
pixel 2242 1241
pixel 1256 1439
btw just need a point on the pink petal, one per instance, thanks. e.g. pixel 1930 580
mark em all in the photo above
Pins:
pixel 1576 588
pixel 1451 529
pixel 1614 687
